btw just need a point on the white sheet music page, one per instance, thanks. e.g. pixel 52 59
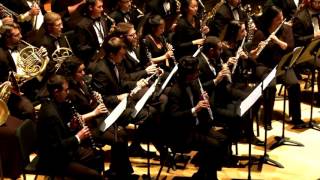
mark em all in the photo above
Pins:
pixel 269 78
pixel 250 100
pixel 114 115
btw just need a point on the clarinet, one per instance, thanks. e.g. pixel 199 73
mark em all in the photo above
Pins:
pixel 168 48
pixel 82 123
pixel 205 98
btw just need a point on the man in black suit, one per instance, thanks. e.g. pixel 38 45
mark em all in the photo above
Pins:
pixel 91 31
pixel 60 150
pixel 108 80
pixel 18 104
pixel 133 65
pixel 224 96
pixel 188 124
pixel 306 29
pixel 30 16
pixel 229 11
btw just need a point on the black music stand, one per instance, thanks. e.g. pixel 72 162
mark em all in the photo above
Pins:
pixel 265 159
pixel 285 65
pixel 311 53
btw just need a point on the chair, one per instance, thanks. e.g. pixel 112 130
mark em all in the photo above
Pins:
pixel 27 139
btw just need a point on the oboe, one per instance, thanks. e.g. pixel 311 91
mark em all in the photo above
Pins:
pixel 205 98
pixel 76 116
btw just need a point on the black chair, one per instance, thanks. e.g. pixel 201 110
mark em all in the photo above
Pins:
pixel 27 139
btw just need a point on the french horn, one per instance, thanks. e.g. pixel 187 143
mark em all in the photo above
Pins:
pixel 31 62
pixel 60 55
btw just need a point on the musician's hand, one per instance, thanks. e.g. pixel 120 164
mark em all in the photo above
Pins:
pixel 201 104
pixel 100 109
pixel 231 61
pixel 34 11
pixel 7 20
pixel 170 47
pixel 84 133
pixel 316 35
pixel 243 55
pixel 204 95
pixel 142 83
pixel 169 54
pixel 198 41
pixel 43 51
pixel 281 43
pixel 152 69
pixel 205 29
pixel 122 96
pixel 160 72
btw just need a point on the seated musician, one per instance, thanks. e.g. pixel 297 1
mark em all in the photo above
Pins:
pixel 225 97
pixel 19 104
pixel 188 124
pixel 60 150
pixel 85 101
pixel 133 65
pixel 280 44
pixel 108 80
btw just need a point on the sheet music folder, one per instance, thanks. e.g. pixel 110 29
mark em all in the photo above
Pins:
pixel 114 115
pixel 308 53
pixel 247 103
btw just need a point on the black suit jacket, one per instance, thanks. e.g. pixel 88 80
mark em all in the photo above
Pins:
pixel 303 28
pixel 156 7
pixel 181 122
pixel 57 144
pixel 222 18
pixel 134 70
pixel 105 81
pixel 86 44
pixel 6 64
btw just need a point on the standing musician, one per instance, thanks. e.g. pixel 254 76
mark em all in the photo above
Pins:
pixel 280 44
pixel 61 151
pixel 306 28
pixel 188 32
pixel 188 124
pixel 230 10
pixel 224 95
pixel 86 101
pixel 91 31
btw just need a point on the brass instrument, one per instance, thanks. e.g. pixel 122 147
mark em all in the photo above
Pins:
pixel 5 91
pixel 260 48
pixel 31 62
pixel 61 54
pixel 4 12
pixel 78 118
pixel 140 13
pixel 108 18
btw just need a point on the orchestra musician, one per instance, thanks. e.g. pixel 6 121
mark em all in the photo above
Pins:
pixel 61 151
pixel 188 124
pixel 91 30
pixel 306 29
pixel 19 105
pixel 188 32
pixel 134 66
pixel 86 101
pixel 224 95
pixel 154 47
pixel 280 44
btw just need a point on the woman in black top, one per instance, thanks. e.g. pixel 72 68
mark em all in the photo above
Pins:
pixel 188 32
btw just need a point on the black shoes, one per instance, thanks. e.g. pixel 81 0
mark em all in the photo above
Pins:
pixel 299 124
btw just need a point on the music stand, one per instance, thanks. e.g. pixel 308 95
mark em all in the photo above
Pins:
pixel 265 159
pixel 311 53
pixel 285 64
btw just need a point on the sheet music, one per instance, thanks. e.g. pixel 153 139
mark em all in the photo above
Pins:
pixel 144 99
pixel 269 78
pixel 115 114
pixel 173 71
pixel 250 100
